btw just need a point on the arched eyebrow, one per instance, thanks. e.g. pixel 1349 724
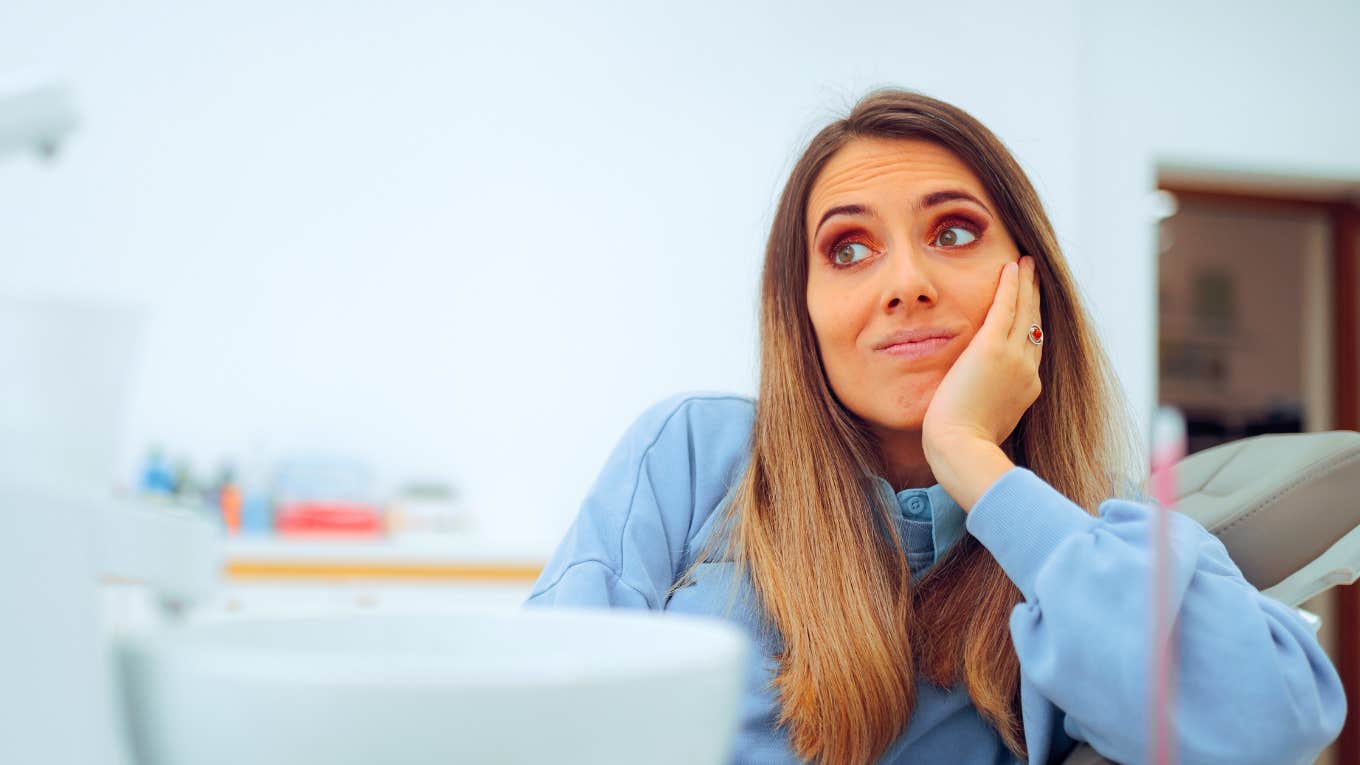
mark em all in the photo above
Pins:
pixel 932 199
pixel 948 195
pixel 844 210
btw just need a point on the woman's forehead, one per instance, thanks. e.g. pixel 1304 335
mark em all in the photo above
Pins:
pixel 907 167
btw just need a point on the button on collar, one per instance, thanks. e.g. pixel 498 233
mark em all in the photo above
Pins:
pixel 914 503
pixel 946 517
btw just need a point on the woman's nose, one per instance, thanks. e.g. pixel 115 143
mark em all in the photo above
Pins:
pixel 908 277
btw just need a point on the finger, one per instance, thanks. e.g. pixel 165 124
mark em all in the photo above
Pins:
pixel 1001 314
pixel 1027 308
pixel 1037 311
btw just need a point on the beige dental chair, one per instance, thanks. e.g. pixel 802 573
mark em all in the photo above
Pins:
pixel 1286 507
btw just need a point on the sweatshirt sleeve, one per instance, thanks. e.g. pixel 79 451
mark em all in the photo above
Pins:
pixel 626 543
pixel 1252 684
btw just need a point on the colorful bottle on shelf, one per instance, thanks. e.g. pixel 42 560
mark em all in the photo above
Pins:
pixel 230 502
pixel 156 479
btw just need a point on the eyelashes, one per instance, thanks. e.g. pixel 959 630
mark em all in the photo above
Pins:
pixel 847 241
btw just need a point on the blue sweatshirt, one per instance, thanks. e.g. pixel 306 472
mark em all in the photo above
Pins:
pixel 1253 685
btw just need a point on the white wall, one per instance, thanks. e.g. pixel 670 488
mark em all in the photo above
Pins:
pixel 470 241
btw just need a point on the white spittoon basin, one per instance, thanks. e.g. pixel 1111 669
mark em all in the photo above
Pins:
pixel 562 685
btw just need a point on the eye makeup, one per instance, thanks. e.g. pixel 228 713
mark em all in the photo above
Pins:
pixel 852 234
pixel 959 221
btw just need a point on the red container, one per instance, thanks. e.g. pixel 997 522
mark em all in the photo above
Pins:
pixel 347 519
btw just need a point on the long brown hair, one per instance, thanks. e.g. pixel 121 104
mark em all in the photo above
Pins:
pixel 813 534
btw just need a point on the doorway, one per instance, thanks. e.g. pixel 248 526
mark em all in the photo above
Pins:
pixel 1257 333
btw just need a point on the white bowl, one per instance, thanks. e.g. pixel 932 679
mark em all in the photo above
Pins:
pixel 563 685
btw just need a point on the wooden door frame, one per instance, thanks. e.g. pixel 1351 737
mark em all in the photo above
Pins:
pixel 1343 213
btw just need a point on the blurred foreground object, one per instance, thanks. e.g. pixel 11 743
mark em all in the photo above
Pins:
pixel 34 116
pixel 594 686
pixel 1168 449
pixel 66 369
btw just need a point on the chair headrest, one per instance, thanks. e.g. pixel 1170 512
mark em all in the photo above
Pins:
pixel 1284 506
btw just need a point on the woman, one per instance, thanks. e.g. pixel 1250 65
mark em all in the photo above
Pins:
pixel 911 391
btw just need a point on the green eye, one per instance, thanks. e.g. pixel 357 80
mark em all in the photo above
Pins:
pixel 845 253
pixel 948 237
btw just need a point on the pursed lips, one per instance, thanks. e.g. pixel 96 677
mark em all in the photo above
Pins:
pixel 916 349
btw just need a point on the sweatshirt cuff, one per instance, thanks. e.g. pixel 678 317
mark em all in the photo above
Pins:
pixel 1020 519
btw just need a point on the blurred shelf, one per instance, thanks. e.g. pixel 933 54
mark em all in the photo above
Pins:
pixel 458 559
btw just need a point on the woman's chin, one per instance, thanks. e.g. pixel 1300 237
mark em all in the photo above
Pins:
pixel 909 418
pixel 904 408
pixel 907 409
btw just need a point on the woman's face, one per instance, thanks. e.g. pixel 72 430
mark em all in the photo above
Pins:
pixel 903 238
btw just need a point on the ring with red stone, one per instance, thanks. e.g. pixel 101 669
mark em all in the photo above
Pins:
pixel 1036 335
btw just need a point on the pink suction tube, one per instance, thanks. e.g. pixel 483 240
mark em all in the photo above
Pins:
pixel 1168 448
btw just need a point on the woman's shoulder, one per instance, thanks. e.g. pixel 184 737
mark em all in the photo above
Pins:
pixel 701 413
pixel 704 428
pixel 699 441
pixel 682 444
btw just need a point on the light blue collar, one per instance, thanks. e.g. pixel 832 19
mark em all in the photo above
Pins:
pixel 931 504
